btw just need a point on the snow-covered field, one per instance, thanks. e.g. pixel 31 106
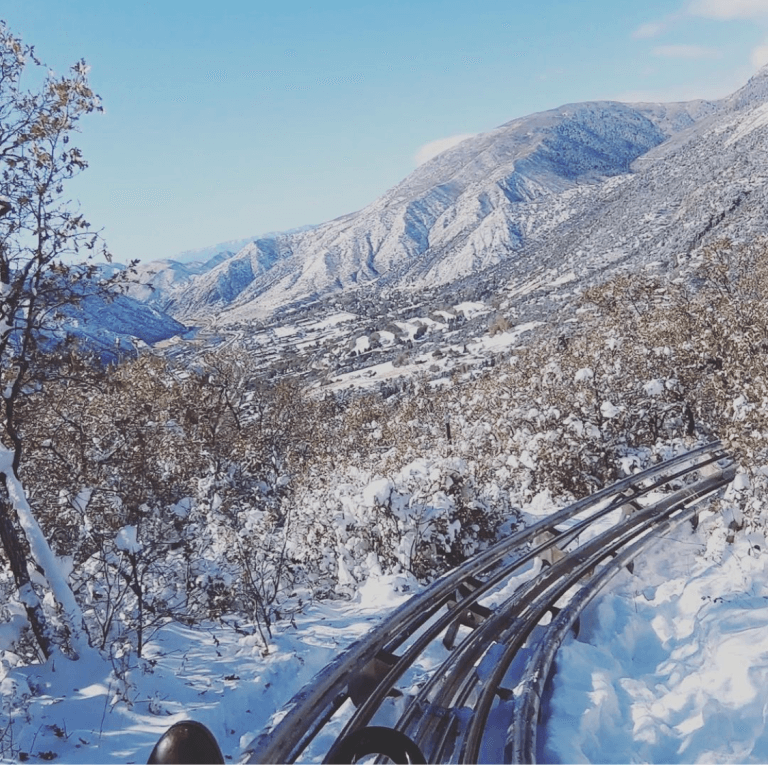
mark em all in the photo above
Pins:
pixel 670 666
pixel 113 711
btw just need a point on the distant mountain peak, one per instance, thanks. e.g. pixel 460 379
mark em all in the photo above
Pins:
pixel 203 254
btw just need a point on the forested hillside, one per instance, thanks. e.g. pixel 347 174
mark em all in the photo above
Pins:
pixel 209 493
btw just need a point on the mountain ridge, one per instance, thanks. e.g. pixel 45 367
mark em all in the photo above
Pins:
pixel 512 194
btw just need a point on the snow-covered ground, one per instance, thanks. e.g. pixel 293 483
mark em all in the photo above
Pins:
pixel 113 711
pixel 670 666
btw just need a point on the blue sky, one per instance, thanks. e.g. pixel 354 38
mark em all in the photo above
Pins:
pixel 233 118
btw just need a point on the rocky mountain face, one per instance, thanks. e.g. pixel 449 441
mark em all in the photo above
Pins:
pixel 574 189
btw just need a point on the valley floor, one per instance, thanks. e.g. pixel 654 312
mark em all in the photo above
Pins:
pixel 670 666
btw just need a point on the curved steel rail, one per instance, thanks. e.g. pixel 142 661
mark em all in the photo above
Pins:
pixel 520 746
pixel 447 717
pixel 507 631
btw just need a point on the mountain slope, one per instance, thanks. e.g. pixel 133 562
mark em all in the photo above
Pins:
pixel 206 254
pixel 459 209
pixel 112 327
pixel 583 185
pixel 705 183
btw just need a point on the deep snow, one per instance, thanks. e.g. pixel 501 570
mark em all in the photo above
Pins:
pixel 671 665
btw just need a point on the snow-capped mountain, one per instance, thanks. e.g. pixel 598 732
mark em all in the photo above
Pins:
pixel 453 215
pixel 702 184
pixel 152 281
pixel 577 187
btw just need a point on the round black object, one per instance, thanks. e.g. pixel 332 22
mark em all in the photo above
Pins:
pixel 187 742
pixel 380 740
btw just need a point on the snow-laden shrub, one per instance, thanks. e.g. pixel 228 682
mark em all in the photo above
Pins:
pixel 149 481
pixel 424 518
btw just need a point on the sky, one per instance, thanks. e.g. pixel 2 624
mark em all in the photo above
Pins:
pixel 229 119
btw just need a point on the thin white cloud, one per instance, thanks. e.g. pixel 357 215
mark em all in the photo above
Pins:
pixel 728 9
pixel 720 10
pixel 651 29
pixel 656 28
pixel 685 52
pixel 759 56
pixel 433 148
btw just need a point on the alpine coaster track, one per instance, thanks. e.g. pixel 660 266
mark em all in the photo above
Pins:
pixel 482 703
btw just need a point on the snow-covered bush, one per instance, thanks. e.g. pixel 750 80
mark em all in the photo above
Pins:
pixel 165 490
pixel 424 518
pixel 650 360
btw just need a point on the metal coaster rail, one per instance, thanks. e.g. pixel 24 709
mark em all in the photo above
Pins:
pixel 513 622
pixel 520 746
pixel 447 718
